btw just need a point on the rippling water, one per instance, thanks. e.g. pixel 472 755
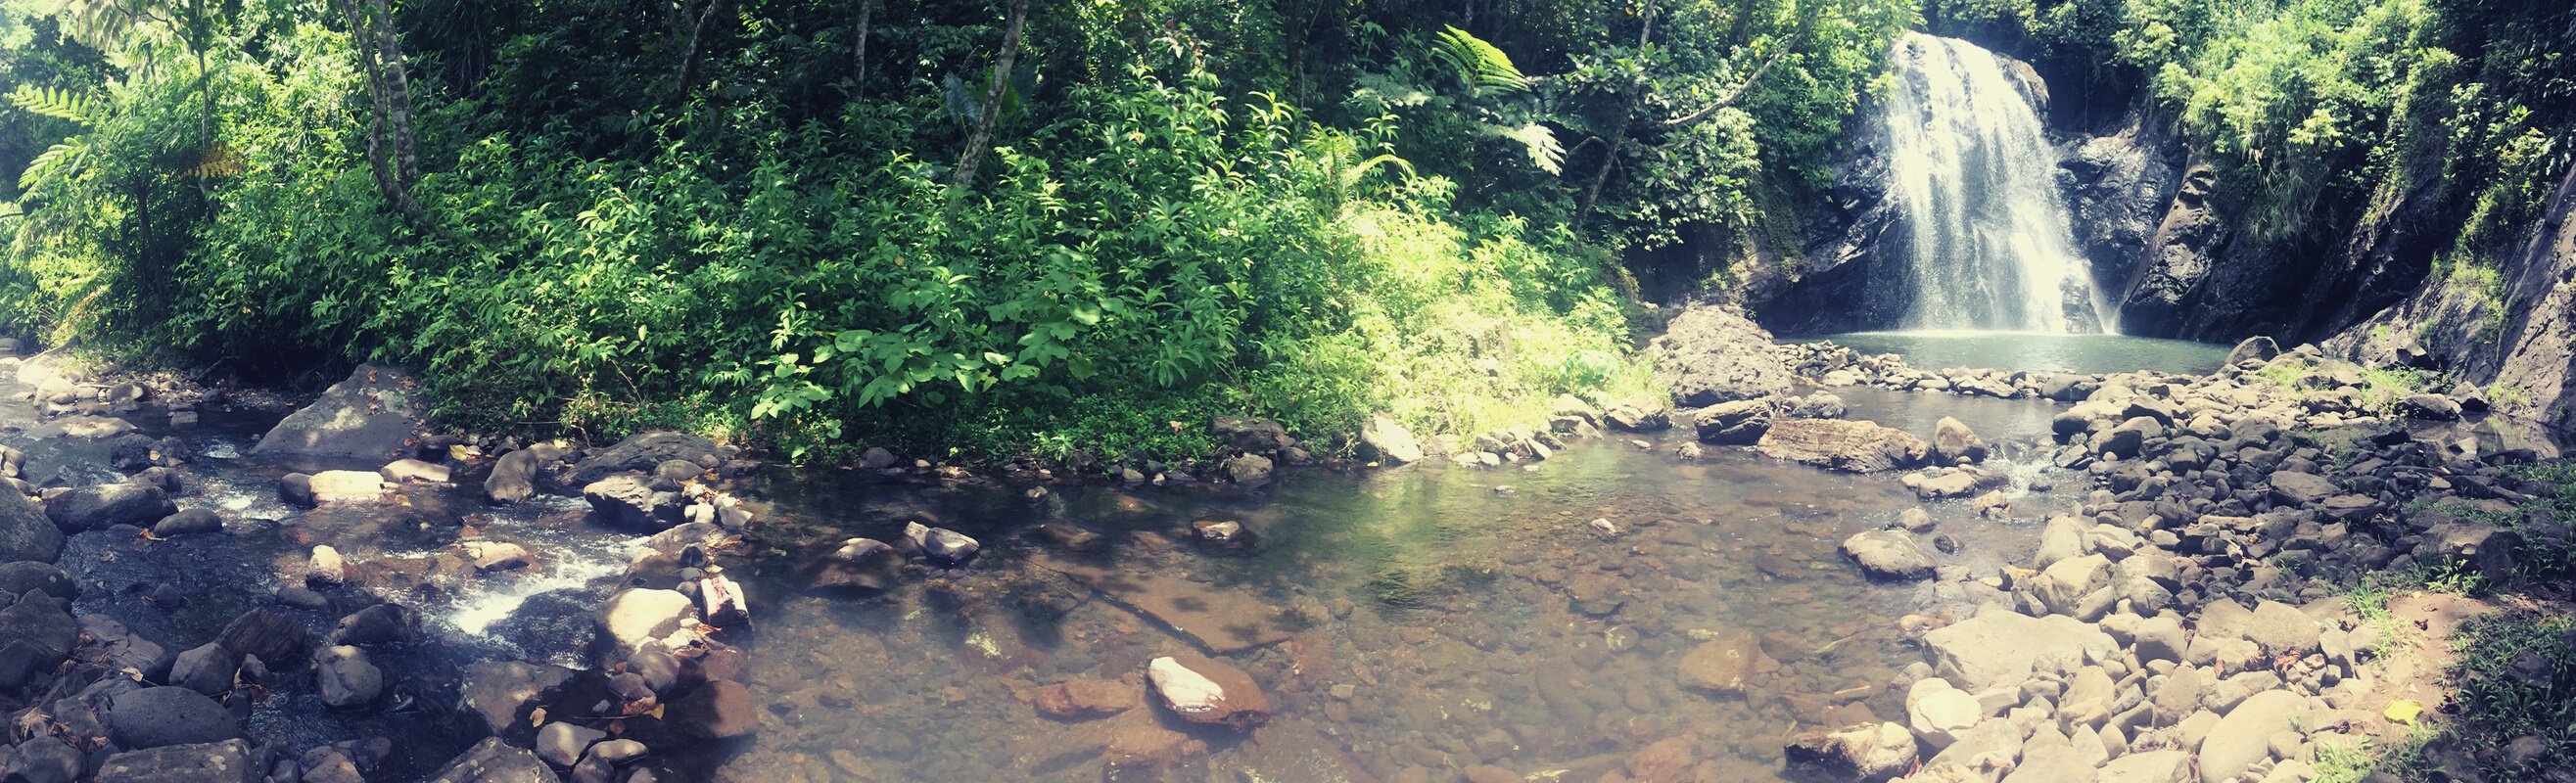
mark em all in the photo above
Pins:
pixel 1425 617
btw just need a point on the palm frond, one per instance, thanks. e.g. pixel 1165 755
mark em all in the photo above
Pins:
pixel 1483 67
pixel 56 102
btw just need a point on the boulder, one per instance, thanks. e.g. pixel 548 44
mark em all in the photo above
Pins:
pixel 718 710
pixel 1954 444
pixel 1721 665
pixel 297 489
pixel 2243 737
pixel 637 617
pixel 44 759
pixel 1250 470
pixel 207 669
pixel 1867 753
pixel 1888 555
pixel 165 716
pixel 2154 766
pixel 563 744
pixel 1204 690
pixel 1997 647
pixel 941 547
pixel 99 507
pixel 195 520
pixel 118 648
pixel 1938 713
pixel 2282 629
pixel 19 577
pixel 35 634
pixel 2485 549
pixel 502 693
pixel 226 761
pixel 514 475
pixel 643 452
pixel 1735 423
pixel 371 415
pixel 348 679
pixel 628 501
pixel 2431 407
pixel 412 471
pixel 26 534
pixel 493 761
pixel 859 564
pixel 333 487
pixel 2257 348
pixel 1844 445
pixel 2295 488
pixel 1388 442
pixel 325 567
pixel 1249 435
pixel 1714 354
pixel 269 634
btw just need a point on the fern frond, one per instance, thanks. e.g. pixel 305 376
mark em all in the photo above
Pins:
pixel 1483 67
pixel 1351 176
pixel 54 160
pixel 55 102
pixel 1540 141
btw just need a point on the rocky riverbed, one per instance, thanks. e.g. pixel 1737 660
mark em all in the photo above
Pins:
pixel 1809 563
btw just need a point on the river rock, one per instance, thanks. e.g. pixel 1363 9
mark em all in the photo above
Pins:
pixel 1888 555
pixel 941 547
pixel 2243 737
pixel 332 487
pixel 1954 444
pixel 2485 549
pixel 721 709
pixel 35 634
pixel 1249 435
pixel 2294 488
pixel 370 415
pixel 1997 646
pixel 2257 348
pixel 26 532
pixel 1084 698
pixel 1205 690
pixel 267 633
pixel 207 669
pixel 164 716
pixel 347 678
pixel 1734 423
pixel 563 744
pixel 1387 441
pixel 2282 629
pixel 642 452
pixel 413 471
pixel 1721 665
pixel 325 567
pixel 859 564
pixel 628 501
pixel 119 648
pixel 44 759
pixel 1868 753
pixel 2154 766
pixel 82 426
pixel 19 577
pixel 514 475
pixel 1939 713
pixel 502 693
pixel 226 761
pixel 636 617
pixel 1844 445
pixel 1250 470
pixel 1714 354
pixel 195 520
pixel 1820 405
pixel 493 761
pixel 104 505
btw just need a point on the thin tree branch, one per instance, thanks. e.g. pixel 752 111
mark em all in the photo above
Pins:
pixel 1738 93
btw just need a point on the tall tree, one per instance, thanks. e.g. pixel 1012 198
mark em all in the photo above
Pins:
pixel 389 128
pixel 993 87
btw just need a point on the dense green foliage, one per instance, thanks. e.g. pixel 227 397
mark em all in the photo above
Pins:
pixel 751 217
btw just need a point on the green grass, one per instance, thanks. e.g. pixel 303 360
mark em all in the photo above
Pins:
pixel 2516 677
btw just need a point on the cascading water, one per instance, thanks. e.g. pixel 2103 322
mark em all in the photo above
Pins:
pixel 1974 184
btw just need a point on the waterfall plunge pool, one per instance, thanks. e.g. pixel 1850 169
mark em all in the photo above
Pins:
pixel 2034 351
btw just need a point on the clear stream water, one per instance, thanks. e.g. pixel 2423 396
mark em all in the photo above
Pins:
pixel 1427 616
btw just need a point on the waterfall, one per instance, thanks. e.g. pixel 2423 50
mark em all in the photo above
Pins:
pixel 1974 183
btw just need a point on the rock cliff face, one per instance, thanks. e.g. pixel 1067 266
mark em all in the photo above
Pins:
pixel 1850 274
pixel 2517 336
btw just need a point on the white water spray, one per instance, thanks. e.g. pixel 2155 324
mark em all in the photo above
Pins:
pixel 1974 183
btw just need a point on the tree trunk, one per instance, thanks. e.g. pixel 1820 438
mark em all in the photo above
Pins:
pixel 993 87
pixel 1618 141
pixel 697 39
pixel 389 136
pixel 859 52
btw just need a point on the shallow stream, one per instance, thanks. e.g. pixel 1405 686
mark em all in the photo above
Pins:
pixel 1428 616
